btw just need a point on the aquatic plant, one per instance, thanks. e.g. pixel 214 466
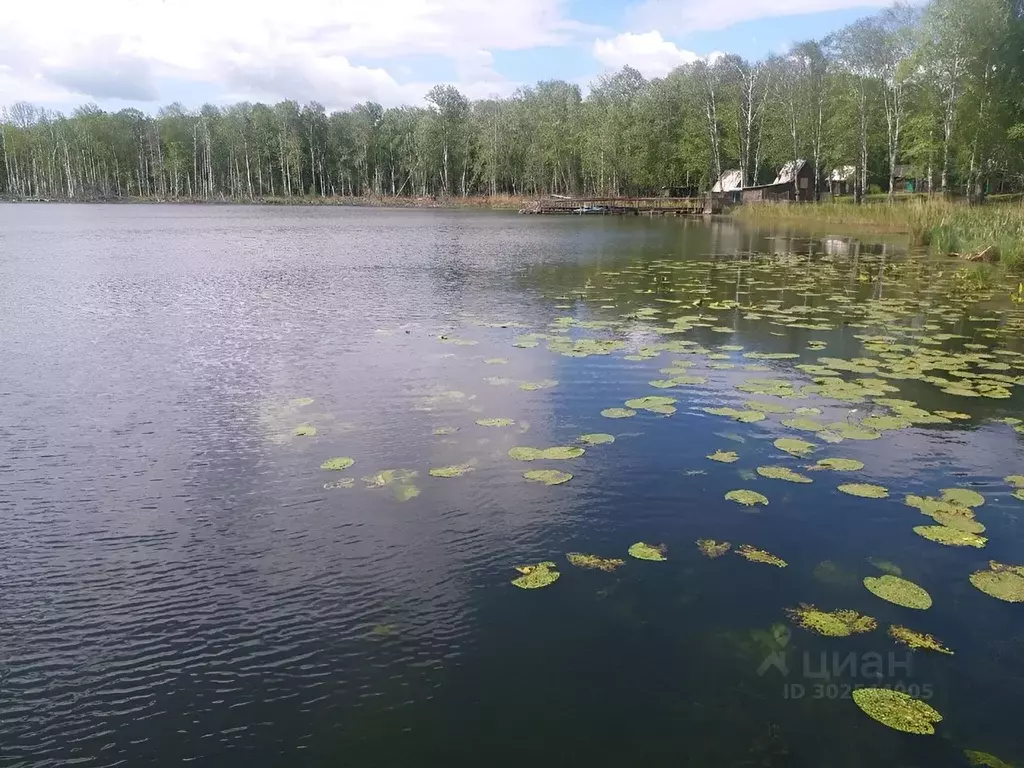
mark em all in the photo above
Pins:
pixel 644 551
pixel 305 430
pixel 899 591
pixel 838 623
pixel 596 438
pixel 455 470
pixel 951 537
pixel 547 476
pixel 747 498
pixel 498 422
pixel 531 386
pixel 897 710
pixel 536 576
pixel 917 640
pixel 865 490
pixel 794 446
pixel 840 465
pixel 965 497
pixel 338 463
pixel 755 555
pixel 732 413
pixel 783 473
pixel 974 757
pixel 711 548
pixel 726 457
pixel 1003 582
pixel 593 561
pixel 618 413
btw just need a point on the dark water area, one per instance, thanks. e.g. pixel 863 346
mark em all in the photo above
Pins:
pixel 181 581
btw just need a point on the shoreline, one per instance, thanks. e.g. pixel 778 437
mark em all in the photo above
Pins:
pixel 496 203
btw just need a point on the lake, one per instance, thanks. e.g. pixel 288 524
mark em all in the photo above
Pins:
pixel 181 580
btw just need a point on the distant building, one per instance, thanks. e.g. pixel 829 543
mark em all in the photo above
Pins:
pixel 729 186
pixel 905 179
pixel 783 187
pixel 842 180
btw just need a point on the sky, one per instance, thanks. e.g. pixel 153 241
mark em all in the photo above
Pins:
pixel 149 53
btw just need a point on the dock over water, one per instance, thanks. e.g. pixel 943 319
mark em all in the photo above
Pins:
pixel 666 206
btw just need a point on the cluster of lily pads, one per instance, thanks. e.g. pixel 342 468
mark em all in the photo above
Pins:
pixel 932 335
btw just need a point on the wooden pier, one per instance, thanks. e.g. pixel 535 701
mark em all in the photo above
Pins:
pixel 654 206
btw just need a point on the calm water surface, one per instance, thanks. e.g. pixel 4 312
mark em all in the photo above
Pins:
pixel 178 584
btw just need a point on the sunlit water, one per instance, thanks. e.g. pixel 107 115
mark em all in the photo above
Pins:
pixel 177 583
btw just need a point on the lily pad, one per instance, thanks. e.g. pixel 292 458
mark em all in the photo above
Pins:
pixel 794 446
pixel 495 422
pixel 654 404
pixel 531 386
pixel 808 425
pixel 839 623
pixel 547 476
pixel 841 465
pixel 1003 582
pixel 951 537
pixel 338 463
pixel 711 548
pixel 456 470
pixel 643 551
pixel 865 490
pixel 581 560
pixel 596 438
pixel 496 360
pixel 755 555
pixel 974 757
pixel 618 413
pixel 1017 481
pixel 521 453
pixel 300 402
pixel 562 452
pixel 783 473
pixel 747 498
pixel 726 457
pixel 345 482
pixel 536 576
pixel 916 639
pixel 305 430
pixel 746 417
pixel 899 591
pixel 965 497
pixel 897 710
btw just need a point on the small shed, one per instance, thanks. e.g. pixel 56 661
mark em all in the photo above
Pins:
pixel 783 187
pixel 906 179
pixel 842 180
pixel 729 186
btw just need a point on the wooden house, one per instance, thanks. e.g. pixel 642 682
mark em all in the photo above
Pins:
pixel 842 180
pixel 729 187
pixel 795 181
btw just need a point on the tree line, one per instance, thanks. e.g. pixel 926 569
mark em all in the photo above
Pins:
pixel 938 89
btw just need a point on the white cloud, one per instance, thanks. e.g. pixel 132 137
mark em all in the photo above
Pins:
pixel 679 17
pixel 648 52
pixel 304 49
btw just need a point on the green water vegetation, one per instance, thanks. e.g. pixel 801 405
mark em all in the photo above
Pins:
pixel 726 457
pixel 865 490
pixel 338 463
pixel 643 551
pixel 783 473
pixel 1003 582
pixel 747 498
pixel 897 710
pixel 596 438
pixel 755 555
pixel 521 453
pixel 838 623
pixel 840 465
pixel 581 560
pixel 711 548
pixel 536 576
pixel 305 430
pixel 951 537
pixel 548 476
pixel 794 446
pixel 495 422
pixel 974 757
pixel 899 591
pixel 618 413
pixel 917 640
pixel 455 470
pixel 400 481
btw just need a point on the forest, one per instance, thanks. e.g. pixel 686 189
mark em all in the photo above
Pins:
pixel 937 89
